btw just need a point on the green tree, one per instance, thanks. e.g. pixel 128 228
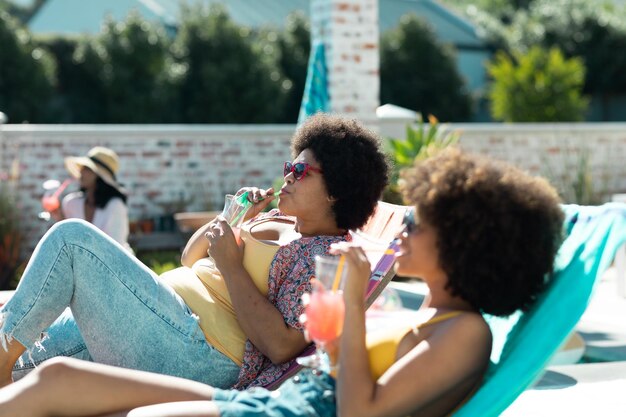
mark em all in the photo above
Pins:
pixel 22 13
pixel 539 86
pixel 591 29
pixel 294 44
pixel 503 10
pixel 72 99
pixel 129 67
pixel 227 79
pixel 419 73
pixel 26 74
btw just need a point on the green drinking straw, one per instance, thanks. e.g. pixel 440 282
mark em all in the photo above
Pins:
pixel 242 200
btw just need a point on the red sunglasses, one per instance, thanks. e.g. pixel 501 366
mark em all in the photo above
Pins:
pixel 299 169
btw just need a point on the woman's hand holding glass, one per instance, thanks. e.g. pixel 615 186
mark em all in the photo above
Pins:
pixel 325 308
pixel 223 246
pixel 259 198
pixel 359 271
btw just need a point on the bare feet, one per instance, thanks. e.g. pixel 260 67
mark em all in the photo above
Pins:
pixel 8 358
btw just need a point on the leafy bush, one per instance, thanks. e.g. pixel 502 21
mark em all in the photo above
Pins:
pixel 579 28
pixel 227 79
pixel 540 86
pixel 160 261
pixel 26 74
pixel 591 30
pixel 419 73
pixel 128 66
pixel 422 141
pixel 78 95
pixel 294 45
pixel 503 10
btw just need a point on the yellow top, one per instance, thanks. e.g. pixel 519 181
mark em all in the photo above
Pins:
pixel 382 345
pixel 203 289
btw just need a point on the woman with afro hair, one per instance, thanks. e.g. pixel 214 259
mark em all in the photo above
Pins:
pixel 229 317
pixel 482 235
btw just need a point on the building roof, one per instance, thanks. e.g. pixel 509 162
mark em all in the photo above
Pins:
pixel 80 16
pixel 72 17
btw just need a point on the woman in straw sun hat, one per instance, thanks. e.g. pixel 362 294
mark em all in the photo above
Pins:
pixel 101 199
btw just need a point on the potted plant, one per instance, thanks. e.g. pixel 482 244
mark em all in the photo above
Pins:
pixel 422 141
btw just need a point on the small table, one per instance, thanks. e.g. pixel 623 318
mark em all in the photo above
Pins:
pixel 156 241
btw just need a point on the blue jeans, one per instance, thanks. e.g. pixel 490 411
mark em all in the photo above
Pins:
pixel 119 314
pixel 305 395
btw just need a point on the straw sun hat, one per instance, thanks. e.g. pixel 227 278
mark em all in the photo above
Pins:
pixel 103 161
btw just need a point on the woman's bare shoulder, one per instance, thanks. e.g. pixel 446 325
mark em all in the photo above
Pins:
pixel 468 326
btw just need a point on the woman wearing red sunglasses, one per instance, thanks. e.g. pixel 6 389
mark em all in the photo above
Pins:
pixel 483 237
pixel 227 319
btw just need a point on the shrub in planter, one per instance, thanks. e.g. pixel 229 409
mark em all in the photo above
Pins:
pixel 422 141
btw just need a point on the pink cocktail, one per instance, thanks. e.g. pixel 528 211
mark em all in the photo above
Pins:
pixel 325 313
pixel 50 203
pixel 325 308
pixel 51 200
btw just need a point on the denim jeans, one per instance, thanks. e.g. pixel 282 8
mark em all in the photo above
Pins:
pixel 308 394
pixel 119 313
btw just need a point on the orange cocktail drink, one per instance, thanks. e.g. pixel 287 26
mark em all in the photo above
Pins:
pixel 325 308
pixel 325 313
pixel 51 200
pixel 50 203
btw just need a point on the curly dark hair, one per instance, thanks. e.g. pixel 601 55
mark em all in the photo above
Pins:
pixel 355 169
pixel 498 228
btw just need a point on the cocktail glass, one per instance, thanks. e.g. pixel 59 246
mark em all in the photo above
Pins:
pixel 51 197
pixel 325 309
pixel 235 209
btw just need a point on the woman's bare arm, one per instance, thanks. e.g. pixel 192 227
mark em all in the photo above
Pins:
pixel 453 356
pixel 260 320
pixel 197 246
pixel 452 359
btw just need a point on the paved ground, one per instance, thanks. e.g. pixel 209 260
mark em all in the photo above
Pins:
pixel 588 389
pixel 603 326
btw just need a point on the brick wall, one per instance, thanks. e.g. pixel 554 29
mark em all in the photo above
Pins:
pixel 165 168
pixel 349 31
pixel 558 151
pixel 197 165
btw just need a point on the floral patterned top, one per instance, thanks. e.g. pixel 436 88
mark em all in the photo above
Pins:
pixel 290 275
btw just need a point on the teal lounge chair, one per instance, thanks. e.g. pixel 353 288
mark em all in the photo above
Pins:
pixel 525 342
